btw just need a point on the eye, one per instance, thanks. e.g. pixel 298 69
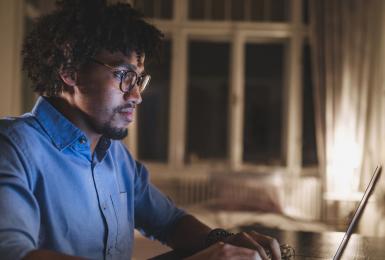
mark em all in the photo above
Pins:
pixel 120 74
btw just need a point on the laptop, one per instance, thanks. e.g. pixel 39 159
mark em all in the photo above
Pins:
pixel 357 215
pixel 288 252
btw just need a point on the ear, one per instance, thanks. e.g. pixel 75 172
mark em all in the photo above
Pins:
pixel 68 76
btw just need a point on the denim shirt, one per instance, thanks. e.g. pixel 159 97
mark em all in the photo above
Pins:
pixel 56 195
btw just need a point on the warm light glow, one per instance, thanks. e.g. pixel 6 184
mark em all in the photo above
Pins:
pixel 343 164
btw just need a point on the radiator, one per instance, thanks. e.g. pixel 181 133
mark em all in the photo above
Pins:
pixel 303 198
pixel 186 190
pixel 299 198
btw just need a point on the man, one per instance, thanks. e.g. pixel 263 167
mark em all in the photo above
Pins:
pixel 68 188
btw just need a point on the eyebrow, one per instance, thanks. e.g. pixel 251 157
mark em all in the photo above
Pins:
pixel 121 63
pixel 130 67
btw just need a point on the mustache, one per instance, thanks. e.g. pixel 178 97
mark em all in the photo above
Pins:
pixel 128 105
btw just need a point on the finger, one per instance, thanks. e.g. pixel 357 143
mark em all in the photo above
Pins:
pixel 261 251
pixel 245 240
pixel 268 242
pixel 230 251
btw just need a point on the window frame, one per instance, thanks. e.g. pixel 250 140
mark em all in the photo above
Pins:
pixel 180 30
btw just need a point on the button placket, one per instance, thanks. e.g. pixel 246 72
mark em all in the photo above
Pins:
pixel 104 206
pixel 110 250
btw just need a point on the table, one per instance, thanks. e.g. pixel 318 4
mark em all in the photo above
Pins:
pixel 312 245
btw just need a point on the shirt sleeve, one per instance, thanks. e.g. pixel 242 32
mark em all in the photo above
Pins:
pixel 155 214
pixel 19 211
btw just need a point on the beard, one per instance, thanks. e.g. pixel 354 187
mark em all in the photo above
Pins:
pixel 107 128
pixel 113 133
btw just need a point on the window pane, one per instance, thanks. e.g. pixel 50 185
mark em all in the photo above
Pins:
pixel 145 6
pixel 162 9
pixel 153 113
pixel 263 104
pixel 196 9
pixel 309 148
pixel 237 10
pixel 257 13
pixel 207 100
pixel 240 10
pixel 279 10
pixel 218 9
pixel 270 10
pixel 166 9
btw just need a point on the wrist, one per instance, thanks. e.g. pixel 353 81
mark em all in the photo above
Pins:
pixel 217 235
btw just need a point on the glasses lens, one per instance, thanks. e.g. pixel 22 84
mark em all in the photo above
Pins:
pixel 144 82
pixel 128 81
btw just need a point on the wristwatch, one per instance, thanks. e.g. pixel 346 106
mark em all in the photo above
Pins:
pixel 216 235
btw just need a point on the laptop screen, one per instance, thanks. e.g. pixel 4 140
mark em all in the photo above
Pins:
pixel 357 215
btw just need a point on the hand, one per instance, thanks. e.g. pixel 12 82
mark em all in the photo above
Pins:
pixel 258 242
pixel 222 251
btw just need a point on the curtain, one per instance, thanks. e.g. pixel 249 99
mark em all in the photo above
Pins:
pixel 347 41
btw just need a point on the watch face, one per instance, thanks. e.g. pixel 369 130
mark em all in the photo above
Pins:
pixel 217 235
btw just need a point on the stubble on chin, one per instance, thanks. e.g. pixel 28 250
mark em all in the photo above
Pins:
pixel 109 130
pixel 114 133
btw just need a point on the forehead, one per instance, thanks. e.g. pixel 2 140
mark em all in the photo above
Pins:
pixel 118 59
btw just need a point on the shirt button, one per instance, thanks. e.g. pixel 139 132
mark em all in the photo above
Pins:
pixel 104 206
pixel 83 140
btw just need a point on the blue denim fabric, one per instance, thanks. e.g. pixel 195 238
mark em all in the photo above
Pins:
pixel 55 195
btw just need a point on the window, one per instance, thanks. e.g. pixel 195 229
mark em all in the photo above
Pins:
pixel 309 149
pixel 243 81
pixel 207 111
pixel 153 113
pixel 233 89
pixel 239 10
pixel 161 9
pixel 263 104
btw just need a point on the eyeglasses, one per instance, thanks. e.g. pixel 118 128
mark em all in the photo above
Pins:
pixel 128 78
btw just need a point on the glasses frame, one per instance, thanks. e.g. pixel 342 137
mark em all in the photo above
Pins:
pixel 140 80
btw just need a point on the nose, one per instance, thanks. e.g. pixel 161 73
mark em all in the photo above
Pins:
pixel 134 95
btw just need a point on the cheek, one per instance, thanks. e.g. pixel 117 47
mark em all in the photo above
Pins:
pixel 104 103
pixel 93 102
pixel 99 97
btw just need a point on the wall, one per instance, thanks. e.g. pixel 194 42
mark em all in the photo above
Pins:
pixel 10 66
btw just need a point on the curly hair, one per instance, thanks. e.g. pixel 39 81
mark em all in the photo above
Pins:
pixel 77 31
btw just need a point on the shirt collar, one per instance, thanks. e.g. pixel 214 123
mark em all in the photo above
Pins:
pixel 102 147
pixel 61 131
